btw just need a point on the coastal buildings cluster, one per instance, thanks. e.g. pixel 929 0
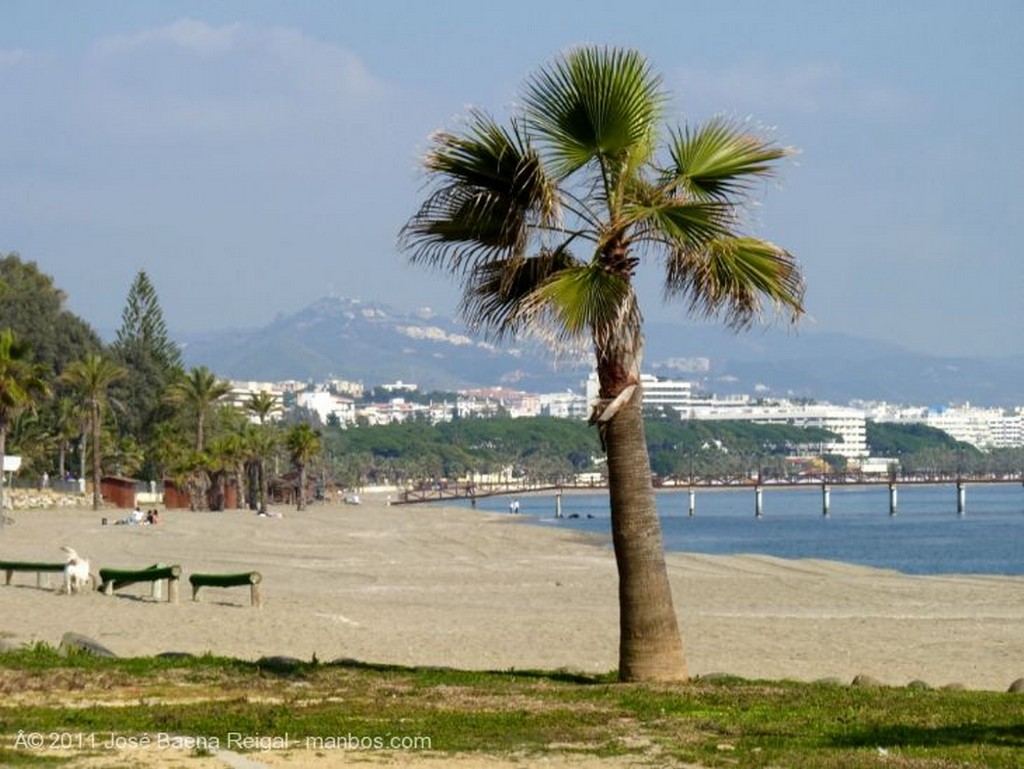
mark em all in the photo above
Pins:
pixel 342 403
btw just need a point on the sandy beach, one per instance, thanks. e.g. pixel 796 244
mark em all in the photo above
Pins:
pixel 431 585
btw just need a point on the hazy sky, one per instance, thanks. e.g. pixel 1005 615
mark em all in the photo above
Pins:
pixel 253 156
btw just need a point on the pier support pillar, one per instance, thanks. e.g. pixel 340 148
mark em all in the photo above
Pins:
pixel 961 497
pixel 758 501
pixel 826 499
pixel 693 502
pixel 892 499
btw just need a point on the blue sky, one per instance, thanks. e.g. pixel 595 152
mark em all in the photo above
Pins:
pixel 253 156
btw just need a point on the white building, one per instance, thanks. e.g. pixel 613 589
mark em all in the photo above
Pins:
pixel 849 424
pixel 567 405
pixel 242 392
pixel 983 428
pixel 327 404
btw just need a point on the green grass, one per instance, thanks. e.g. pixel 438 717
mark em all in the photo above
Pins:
pixel 727 722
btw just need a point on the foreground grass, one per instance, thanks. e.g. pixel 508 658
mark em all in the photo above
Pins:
pixel 85 702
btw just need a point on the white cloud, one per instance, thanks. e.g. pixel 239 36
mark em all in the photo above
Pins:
pixel 237 81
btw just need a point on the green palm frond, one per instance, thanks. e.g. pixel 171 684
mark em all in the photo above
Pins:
pixel 588 300
pixel 678 224
pixel 491 188
pixel 497 293
pixel 595 103
pixel 719 160
pixel 733 276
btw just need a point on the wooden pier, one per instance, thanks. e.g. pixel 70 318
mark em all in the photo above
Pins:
pixel 452 491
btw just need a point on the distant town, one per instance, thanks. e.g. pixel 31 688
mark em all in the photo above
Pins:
pixel 344 404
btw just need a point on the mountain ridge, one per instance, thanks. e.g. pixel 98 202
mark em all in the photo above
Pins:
pixel 345 338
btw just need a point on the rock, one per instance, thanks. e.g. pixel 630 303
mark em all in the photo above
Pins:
pixel 866 681
pixel 1017 687
pixel 919 684
pixel 72 643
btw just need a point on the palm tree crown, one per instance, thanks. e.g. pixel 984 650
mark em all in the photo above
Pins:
pixel 91 379
pixel 545 221
pixel 198 390
pixel 582 165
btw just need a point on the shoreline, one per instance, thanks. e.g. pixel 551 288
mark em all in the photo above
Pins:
pixel 449 586
pixel 922 539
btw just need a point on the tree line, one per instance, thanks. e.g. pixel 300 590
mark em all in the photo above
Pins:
pixel 74 407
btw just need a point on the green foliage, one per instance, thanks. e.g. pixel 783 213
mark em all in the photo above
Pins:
pixel 547 448
pixel 722 447
pixel 34 308
pixel 888 439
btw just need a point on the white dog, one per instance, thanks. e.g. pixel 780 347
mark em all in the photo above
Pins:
pixel 76 572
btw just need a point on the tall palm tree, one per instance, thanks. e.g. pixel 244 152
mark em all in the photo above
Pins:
pixel 262 405
pixel 545 222
pixel 303 443
pixel 261 441
pixel 21 387
pixel 91 379
pixel 198 390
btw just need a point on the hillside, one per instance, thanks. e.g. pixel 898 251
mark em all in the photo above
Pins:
pixel 374 343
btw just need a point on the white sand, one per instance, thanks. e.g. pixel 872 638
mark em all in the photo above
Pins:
pixel 426 585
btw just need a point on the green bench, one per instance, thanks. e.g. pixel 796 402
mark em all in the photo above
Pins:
pixel 115 579
pixel 42 570
pixel 250 578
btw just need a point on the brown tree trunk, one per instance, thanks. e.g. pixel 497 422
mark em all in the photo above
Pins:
pixel 650 644
pixel 3 477
pixel 97 472
pixel 302 489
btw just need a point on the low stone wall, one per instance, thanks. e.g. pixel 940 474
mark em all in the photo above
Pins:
pixel 31 499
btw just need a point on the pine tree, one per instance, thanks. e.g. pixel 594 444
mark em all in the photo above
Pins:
pixel 152 360
pixel 143 331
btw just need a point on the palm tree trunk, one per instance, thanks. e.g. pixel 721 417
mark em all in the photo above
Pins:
pixel 301 503
pixel 241 486
pixel 81 459
pixel 264 486
pixel 97 471
pixel 3 477
pixel 650 645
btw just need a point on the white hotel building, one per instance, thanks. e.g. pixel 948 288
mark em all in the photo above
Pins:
pixel 848 423
pixel 983 428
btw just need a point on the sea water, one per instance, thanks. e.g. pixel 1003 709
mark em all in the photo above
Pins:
pixel 926 536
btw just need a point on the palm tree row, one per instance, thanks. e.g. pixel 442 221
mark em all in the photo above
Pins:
pixel 87 408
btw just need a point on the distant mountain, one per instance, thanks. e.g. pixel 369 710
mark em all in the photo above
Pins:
pixel 370 342
pixel 373 343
